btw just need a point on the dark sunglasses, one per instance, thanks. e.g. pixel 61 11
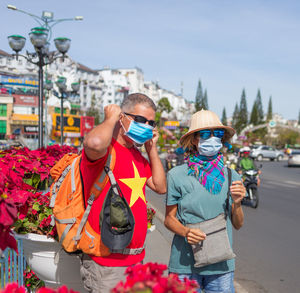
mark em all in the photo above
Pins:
pixel 141 119
pixel 206 133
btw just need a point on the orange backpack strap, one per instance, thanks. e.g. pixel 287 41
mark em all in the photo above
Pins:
pixel 96 190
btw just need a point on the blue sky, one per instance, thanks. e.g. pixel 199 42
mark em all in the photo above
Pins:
pixel 229 45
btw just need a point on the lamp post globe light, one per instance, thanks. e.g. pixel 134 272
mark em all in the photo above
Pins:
pixel 40 37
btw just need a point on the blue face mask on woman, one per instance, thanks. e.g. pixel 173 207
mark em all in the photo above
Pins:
pixel 209 147
pixel 139 132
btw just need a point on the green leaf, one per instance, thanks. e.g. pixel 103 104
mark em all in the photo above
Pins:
pixel 42 217
pixel 36 180
pixel 36 207
pixel 48 212
pixel 28 181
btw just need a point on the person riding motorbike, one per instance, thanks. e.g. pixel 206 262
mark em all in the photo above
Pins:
pixel 246 163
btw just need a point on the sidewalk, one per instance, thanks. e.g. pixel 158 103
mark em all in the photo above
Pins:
pixel 158 245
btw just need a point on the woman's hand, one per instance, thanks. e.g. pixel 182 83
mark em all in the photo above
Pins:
pixel 238 192
pixel 194 236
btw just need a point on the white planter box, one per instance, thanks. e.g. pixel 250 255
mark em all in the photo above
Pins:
pixel 39 251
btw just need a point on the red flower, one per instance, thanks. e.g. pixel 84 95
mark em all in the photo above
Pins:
pixel 14 288
pixel 149 278
pixel 6 238
pixel 8 210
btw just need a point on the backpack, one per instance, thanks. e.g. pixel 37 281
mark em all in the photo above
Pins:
pixel 70 212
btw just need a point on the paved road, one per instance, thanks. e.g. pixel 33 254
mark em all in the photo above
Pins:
pixel 268 246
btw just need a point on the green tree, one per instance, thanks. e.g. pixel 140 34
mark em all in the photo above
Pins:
pixel 199 97
pixel 205 101
pixel 163 105
pixel 258 135
pixel 270 110
pixel 224 117
pixel 299 118
pixel 287 136
pixel 254 114
pixel 235 116
pixel 260 111
pixel 243 113
pixel 93 111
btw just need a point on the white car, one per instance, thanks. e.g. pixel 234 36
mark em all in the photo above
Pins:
pixel 263 151
pixel 294 159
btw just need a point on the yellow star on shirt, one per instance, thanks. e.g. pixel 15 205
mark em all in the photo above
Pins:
pixel 136 184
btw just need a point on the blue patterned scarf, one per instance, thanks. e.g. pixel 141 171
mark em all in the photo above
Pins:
pixel 209 171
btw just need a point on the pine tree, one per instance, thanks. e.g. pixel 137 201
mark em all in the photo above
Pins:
pixel 235 116
pixel 254 114
pixel 204 101
pixel 199 97
pixel 260 111
pixel 224 117
pixel 243 113
pixel 299 118
pixel 270 110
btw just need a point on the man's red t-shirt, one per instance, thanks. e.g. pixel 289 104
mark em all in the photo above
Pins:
pixel 131 171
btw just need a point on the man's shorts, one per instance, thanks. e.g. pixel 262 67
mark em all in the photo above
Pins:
pixel 99 279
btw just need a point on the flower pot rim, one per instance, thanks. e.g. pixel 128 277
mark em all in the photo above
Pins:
pixel 34 237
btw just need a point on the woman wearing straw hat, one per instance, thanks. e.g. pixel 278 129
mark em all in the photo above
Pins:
pixel 197 191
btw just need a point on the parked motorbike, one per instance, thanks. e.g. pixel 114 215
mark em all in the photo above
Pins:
pixel 250 182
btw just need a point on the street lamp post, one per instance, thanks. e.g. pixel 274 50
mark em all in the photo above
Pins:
pixel 39 37
pixel 61 84
pixel 48 85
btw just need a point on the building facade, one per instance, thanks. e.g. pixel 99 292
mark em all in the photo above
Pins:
pixel 98 88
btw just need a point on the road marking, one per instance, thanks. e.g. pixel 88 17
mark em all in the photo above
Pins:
pixel 275 187
pixel 289 184
pixel 293 182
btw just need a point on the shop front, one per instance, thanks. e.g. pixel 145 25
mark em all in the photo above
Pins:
pixel 72 133
pixel 25 125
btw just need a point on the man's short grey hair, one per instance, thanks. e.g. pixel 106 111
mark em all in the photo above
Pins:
pixel 131 100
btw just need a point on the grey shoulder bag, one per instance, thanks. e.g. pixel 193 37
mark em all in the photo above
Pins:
pixel 216 247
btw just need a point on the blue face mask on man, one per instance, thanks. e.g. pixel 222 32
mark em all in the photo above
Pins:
pixel 209 147
pixel 139 132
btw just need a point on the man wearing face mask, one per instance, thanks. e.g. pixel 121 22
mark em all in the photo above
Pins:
pixel 124 128
pixel 197 192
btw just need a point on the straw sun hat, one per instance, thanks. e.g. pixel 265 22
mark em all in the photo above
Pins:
pixel 205 119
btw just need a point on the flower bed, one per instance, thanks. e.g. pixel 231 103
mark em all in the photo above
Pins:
pixel 23 173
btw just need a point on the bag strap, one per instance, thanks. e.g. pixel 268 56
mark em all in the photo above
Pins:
pixel 228 192
pixel 103 178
